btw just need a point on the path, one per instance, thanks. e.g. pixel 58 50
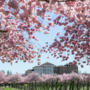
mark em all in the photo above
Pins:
pixel 1 88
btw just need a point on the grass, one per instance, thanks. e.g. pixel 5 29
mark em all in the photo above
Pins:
pixel 85 88
pixel 7 89
pixel 10 88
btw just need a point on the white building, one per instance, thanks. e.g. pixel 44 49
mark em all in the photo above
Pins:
pixel 49 68
pixel 46 68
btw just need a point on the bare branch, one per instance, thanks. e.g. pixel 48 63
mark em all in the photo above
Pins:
pixel 60 0
pixel 3 31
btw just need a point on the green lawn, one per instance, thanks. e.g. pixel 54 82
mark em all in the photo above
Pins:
pixel 7 89
pixel 85 88
pixel 10 88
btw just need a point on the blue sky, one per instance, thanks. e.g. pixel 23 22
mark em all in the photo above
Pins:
pixel 21 67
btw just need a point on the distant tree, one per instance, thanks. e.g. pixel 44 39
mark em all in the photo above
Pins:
pixel 3 71
pixel 85 72
pixel 22 74
pixel 79 72
pixel 10 72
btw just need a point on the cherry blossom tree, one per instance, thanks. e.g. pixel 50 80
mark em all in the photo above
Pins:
pixel 32 77
pixel 49 77
pixel 14 23
pixel 2 77
pixel 17 78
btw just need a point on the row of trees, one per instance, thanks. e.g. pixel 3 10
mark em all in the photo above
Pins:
pixel 8 72
pixel 32 77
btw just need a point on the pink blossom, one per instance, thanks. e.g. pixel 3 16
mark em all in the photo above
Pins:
pixel 3 22
pixel 38 59
pixel 82 66
pixel 13 4
pixel 53 1
pixel 39 63
pixel 49 18
pixel 58 33
pixel 50 23
pixel 46 32
pixel 83 61
pixel 30 46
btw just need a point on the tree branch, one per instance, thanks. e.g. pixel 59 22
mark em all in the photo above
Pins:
pixel 60 1
pixel 3 31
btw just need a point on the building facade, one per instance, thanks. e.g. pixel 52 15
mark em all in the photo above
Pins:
pixel 38 69
pixel 48 68
pixel 29 71
pixel 67 68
